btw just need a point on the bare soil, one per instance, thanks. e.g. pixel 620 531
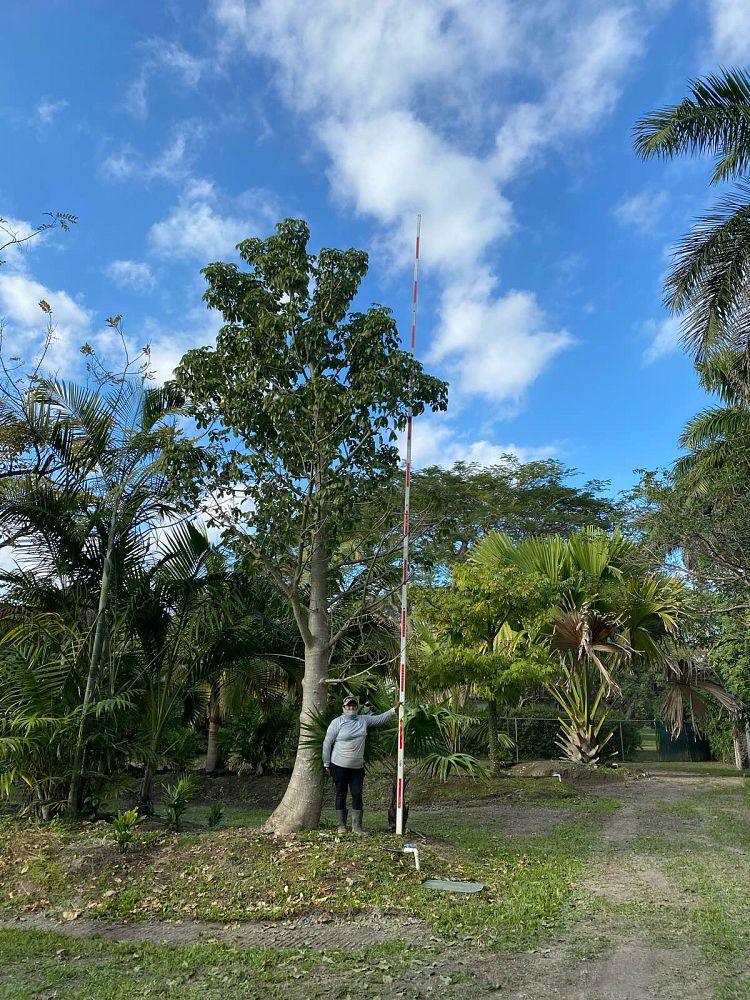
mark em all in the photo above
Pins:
pixel 316 934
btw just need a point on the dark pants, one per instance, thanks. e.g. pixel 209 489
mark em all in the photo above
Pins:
pixel 348 779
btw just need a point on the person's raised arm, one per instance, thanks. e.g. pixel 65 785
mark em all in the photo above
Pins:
pixel 378 720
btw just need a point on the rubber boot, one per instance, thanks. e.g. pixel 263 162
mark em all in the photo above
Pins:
pixel 357 823
pixel 341 813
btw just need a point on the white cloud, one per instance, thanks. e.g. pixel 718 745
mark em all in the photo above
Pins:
pixel 171 164
pixel 163 57
pixel 393 165
pixel 17 241
pixel 131 274
pixel 394 102
pixel 665 338
pixel 437 442
pixel 579 62
pixel 25 323
pixel 168 344
pixel 46 110
pixel 197 228
pixel 498 345
pixel 641 211
pixel 730 31
pixel 359 58
pixel 120 164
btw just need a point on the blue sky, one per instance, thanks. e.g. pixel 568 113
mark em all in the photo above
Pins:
pixel 173 130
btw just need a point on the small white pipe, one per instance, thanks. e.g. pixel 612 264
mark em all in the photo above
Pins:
pixel 415 852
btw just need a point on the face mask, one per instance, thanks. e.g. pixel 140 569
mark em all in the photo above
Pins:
pixel 351 712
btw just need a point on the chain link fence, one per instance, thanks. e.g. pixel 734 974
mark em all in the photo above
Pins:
pixel 632 741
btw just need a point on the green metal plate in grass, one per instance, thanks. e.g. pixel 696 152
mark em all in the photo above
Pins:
pixel 447 886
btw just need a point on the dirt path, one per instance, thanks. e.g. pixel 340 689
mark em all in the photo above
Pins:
pixel 609 956
pixel 317 935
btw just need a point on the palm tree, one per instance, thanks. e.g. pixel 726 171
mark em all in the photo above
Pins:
pixel 609 610
pixel 88 513
pixel 719 434
pixel 709 276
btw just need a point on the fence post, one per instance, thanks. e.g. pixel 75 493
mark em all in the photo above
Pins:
pixel 515 724
pixel 622 745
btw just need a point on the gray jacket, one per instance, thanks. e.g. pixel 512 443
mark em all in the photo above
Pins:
pixel 345 739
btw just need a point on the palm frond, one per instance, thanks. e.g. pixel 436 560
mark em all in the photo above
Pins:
pixel 708 278
pixel 714 120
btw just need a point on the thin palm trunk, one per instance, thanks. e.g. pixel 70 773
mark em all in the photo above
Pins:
pixel 214 724
pixel 76 778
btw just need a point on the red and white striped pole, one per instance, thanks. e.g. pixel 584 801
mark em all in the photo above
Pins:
pixel 405 576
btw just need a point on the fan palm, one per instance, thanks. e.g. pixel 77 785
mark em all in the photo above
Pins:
pixel 708 279
pixel 609 610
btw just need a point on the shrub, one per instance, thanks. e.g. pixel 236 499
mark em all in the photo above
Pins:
pixel 215 815
pixel 176 802
pixel 538 727
pixel 265 739
pixel 184 744
pixel 123 828
pixel 718 729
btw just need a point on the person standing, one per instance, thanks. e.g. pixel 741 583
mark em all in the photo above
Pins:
pixel 344 758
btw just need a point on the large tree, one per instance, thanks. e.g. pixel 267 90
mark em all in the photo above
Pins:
pixel 302 400
pixel 453 509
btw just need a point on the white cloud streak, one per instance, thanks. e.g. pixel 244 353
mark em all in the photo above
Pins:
pixel 437 442
pixel 162 58
pixel 131 274
pixel 665 338
pixel 641 212
pixel 171 164
pixel 730 31
pixel 46 110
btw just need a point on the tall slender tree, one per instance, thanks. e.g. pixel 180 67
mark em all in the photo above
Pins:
pixel 302 400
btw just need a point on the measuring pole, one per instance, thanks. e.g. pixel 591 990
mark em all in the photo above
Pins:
pixel 405 568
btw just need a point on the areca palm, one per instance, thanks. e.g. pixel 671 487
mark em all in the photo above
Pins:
pixel 197 621
pixel 86 516
pixel 709 277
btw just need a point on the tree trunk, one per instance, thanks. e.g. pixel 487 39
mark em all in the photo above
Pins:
pixel 76 777
pixel 303 799
pixel 214 722
pixel 492 737
pixel 146 797
pixel 741 749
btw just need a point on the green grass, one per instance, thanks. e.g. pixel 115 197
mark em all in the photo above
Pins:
pixel 234 816
pixel 238 873
pixel 37 964
pixel 715 768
